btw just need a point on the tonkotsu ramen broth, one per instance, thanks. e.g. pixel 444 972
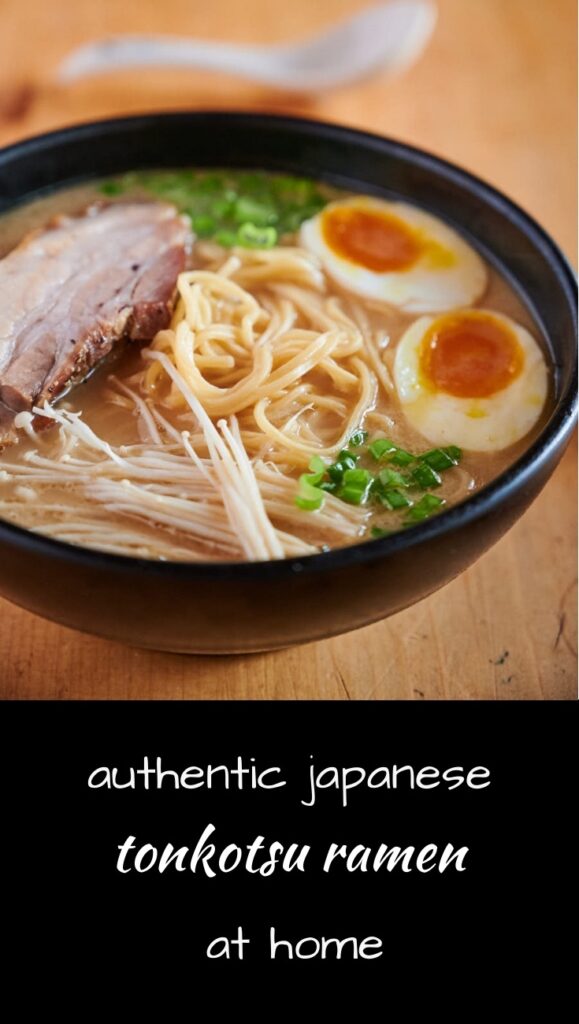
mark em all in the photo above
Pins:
pixel 330 368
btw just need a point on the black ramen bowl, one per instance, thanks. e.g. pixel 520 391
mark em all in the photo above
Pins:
pixel 242 607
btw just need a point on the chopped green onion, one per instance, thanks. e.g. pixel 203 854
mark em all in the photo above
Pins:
pixel 348 457
pixel 391 478
pixel 381 447
pixel 291 219
pixel 427 506
pixel 351 495
pixel 391 487
pixel 253 237
pixel 402 458
pixel 357 477
pixel 425 477
pixel 317 465
pixel 454 453
pixel 300 190
pixel 442 458
pixel 310 497
pixel 223 207
pixel 112 188
pixel 251 181
pixel 248 209
pixel 336 472
pixel 395 499
pixel 226 238
pixel 355 486
pixel 358 438
pixel 345 461
pixel 307 503
pixel 203 225
pixel 210 183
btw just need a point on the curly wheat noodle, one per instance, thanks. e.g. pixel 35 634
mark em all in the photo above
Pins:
pixel 277 339
pixel 365 401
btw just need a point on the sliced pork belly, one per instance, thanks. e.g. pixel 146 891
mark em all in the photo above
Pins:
pixel 72 291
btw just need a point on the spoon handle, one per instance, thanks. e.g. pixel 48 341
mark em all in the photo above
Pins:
pixel 155 51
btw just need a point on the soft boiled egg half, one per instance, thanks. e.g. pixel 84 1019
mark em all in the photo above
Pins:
pixel 395 253
pixel 472 377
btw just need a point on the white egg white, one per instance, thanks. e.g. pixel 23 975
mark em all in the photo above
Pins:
pixel 476 424
pixel 448 274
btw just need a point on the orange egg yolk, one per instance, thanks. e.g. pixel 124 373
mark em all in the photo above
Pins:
pixel 470 355
pixel 375 240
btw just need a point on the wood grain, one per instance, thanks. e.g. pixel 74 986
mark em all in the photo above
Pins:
pixel 495 92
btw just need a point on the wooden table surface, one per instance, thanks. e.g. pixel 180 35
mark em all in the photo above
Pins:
pixel 495 92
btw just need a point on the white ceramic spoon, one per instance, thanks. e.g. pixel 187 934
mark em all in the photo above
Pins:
pixel 386 38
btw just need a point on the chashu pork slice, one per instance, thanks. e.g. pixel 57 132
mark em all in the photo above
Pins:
pixel 72 291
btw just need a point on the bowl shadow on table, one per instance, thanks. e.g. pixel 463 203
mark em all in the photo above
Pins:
pixel 44 660
pixel 50 661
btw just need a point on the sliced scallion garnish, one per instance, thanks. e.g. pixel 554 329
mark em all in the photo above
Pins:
pixel 427 506
pixel 381 448
pixel 395 489
pixel 402 458
pixel 355 486
pixel 234 208
pixel 425 477
pixel 391 478
pixel 395 499
pixel 442 458
pixel 310 497
pixel 253 237
pixel 358 438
